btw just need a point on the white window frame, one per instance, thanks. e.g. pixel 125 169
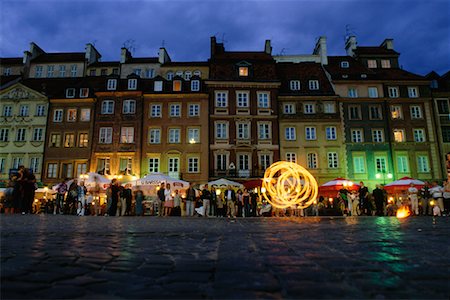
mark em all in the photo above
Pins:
pixel 155 111
pixel 195 85
pixel 158 86
pixel 38 71
pixel 290 134
pixel 62 70
pixel 58 115
pixel 52 170
pixel 264 130
pixel 413 92
pixel 393 92
pixel 85 114
pixel 107 107
pixel 129 106
pixel 399 135
pixel 313 85
pixel 127 135
pixel 333 160
pixel 372 92
pixel 242 99
pixel 111 84
pixel 132 83
pixel 73 71
pixel 329 107
pixel 38 134
pixel 416 112
pixel 289 108
pixel 402 164
pixel 193 135
pixel 7 111
pixel 175 110
pixel 310 133
pixel 105 135
pixel 331 133
pixel 359 164
pixel 423 163
pixel 263 99
pixel 194 110
pixel 154 136
pixel 24 110
pixel 312 160
pixel 309 108
pixel 419 135
pixel 385 64
pixel 50 71
pixel 174 136
pixel 397 109
pixel 357 135
pixel 295 85
pixel 221 130
pixel 291 157
pixel 4 134
pixel 221 99
pixel 243 130
pixel 378 135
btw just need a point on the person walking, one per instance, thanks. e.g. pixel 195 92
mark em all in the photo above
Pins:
pixel 230 197
pixel 378 196
pixel 206 198
pixel 414 198
pixel 61 191
pixel 81 199
pixel 72 198
pixel 161 199
pixel 190 200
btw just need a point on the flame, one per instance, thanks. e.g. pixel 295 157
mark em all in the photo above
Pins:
pixel 403 212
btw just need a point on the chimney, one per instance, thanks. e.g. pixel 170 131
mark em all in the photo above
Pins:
pixel 388 44
pixel 35 50
pixel 26 63
pixel 213 46
pixel 125 55
pixel 350 45
pixel 321 49
pixel 92 55
pixel 268 47
pixel 163 56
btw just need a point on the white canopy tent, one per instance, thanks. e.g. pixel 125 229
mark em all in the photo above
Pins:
pixel 155 179
pixel 224 183
pixel 90 179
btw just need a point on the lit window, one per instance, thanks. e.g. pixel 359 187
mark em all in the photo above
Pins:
pixel 396 112
pixel 243 71
pixel 69 140
pixel 193 135
pixel 177 85
pixel 127 135
pixel 344 64
pixel 83 140
pixel 385 63
pixel 103 166
pixel 55 140
pixel 125 165
pixel 399 135
pixel 85 114
pixel 372 63
pixel 72 115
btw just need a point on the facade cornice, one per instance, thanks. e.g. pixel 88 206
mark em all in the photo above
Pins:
pixel 250 84
pixel 177 96
pixel 72 100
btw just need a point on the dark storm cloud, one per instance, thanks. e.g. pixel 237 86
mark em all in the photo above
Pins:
pixel 420 28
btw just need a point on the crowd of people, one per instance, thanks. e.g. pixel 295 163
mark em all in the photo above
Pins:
pixel 74 198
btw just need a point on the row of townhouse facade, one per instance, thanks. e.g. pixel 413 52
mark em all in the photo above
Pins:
pixel 358 115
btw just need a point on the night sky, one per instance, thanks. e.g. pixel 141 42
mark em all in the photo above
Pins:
pixel 420 29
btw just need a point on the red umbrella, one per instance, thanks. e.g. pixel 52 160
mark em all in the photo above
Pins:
pixel 335 185
pixel 403 184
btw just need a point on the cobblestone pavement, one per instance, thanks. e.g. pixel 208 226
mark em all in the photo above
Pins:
pixel 49 256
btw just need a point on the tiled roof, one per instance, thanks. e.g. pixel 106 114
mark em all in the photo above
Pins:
pixel 5 81
pixel 56 87
pixel 397 74
pixel 374 51
pixel 100 64
pixel 60 57
pixel 11 61
pixel 304 72
pixel 143 60
pixel 353 72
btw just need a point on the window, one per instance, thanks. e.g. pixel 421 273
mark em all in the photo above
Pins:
pixel 55 140
pixel 105 135
pixel 50 71
pixel 413 92
pixel 83 140
pixel 371 63
pixel 4 134
pixel 132 84
pixel 263 100
pixel 126 165
pixel 243 131
pixel 402 164
pixel 352 93
pixel 423 164
pixel 333 162
pixel 175 110
pixel 375 112
pixel 153 165
pixel 70 93
pixel 150 73
pixel 195 85
pixel 155 111
pixel 7 111
pixel 197 73
pixel 193 135
pixel 104 166
pixel 52 170
pixel 158 86
pixel 21 134
pixel 221 130
pixel 107 107
pixel 85 114
pixel 377 135
pixel 57 115
pixel 179 73
pixel 40 110
pixel 416 112
pixel 176 85
pixel 310 133
pixel 115 71
pixel 443 107
pixel 23 112
pixel 17 161
pixel 289 134
pixel 354 112
pixel 7 72
pixel 396 112
pixel 357 135
pixel 264 131
pixel 129 106
pixel 194 110
pixel 2 164
pixel 399 135
pixel 127 135
pixel 393 92
pixel 174 135
pixel 445 134
pixel 73 70
pixel 66 170
pixel 154 136
pixel 111 84
pixel 419 135
pixel 380 164
pixel 38 72
pixel 331 134
pixel 314 85
pixel 137 72
pixel 289 108
pixel 311 160
pixel 81 169
pixel 38 134
pixel 329 107
pixel 72 115
pixel 309 108
pixel 92 72
pixel 243 71
pixel 373 92
pixel 187 75
pixel 242 99
pixel 69 140
pixel 169 76
pixel 291 157
pixel 84 92
pixel 221 99
pixel 221 162
pixel 359 166
pixel 34 164
pixel 193 165
pixel 295 85
pixel 385 63
pixel 344 64
pixel 265 160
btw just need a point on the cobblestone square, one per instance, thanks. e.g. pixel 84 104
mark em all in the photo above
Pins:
pixel 60 257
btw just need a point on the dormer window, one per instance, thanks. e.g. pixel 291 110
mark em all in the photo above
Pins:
pixel 372 63
pixel 187 75
pixel 158 86
pixel 197 73
pixel 84 92
pixel 243 71
pixel 385 63
pixel 295 85
pixel 111 85
pixel 70 93
pixel 314 84
pixel 344 64
pixel 179 73
pixel 363 75
pixel 169 76
pixel 195 85
pixel 132 84
pixel 177 85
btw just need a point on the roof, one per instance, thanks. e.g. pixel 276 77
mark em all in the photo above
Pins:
pixel 397 74
pixel 374 51
pixel 100 64
pixel 243 55
pixel 56 87
pixel 60 57
pixel 142 60
pixel 186 63
pixel 353 72
pixel 11 61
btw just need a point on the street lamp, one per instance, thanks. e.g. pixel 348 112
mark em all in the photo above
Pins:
pixel 383 175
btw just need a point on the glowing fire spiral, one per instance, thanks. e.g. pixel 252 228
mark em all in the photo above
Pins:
pixel 294 185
